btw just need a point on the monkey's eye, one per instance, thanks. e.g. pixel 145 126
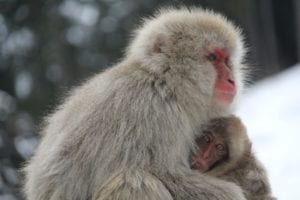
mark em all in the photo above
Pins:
pixel 211 57
pixel 221 149
pixel 208 138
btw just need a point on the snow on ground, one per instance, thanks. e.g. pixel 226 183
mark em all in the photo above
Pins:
pixel 271 111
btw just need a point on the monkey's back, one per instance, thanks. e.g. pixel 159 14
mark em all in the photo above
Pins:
pixel 81 147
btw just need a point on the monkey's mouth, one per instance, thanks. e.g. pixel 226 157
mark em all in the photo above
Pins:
pixel 200 165
pixel 225 97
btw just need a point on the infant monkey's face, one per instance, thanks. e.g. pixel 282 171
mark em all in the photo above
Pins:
pixel 213 149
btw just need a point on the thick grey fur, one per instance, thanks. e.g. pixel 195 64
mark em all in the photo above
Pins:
pixel 127 133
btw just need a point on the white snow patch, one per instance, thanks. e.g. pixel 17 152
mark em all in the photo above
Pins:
pixel 271 111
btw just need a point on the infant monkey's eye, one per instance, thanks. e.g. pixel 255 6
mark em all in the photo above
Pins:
pixel 211 57
pixel 208 138
pixel 220 147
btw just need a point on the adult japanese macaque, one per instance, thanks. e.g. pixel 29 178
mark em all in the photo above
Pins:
pixel 225 152
pixel 127 133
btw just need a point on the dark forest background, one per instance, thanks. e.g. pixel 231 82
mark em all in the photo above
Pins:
pixel 49 46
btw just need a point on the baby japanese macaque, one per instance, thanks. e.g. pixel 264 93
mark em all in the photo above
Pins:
pixel 225 152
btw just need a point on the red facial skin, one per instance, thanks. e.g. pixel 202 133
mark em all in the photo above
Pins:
pixel 225 88
pixel 212 150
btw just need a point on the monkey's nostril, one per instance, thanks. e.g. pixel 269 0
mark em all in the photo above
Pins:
pixel 231 81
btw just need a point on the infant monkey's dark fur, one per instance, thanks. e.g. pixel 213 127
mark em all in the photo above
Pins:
pixel 225 152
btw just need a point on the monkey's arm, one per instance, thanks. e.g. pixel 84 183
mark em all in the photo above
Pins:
pixel 133 184
pixel 193 185
pixel 136 183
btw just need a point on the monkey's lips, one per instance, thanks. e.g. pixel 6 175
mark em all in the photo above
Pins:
pixel 200 164
pixel 225 97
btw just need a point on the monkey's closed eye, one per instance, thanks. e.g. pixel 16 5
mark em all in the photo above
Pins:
pixel 211 57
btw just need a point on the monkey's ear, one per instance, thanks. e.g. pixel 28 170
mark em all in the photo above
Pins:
pixel 149 44
pixel 158 44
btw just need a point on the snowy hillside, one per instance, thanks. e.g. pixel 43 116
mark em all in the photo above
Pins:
pixel 271 112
